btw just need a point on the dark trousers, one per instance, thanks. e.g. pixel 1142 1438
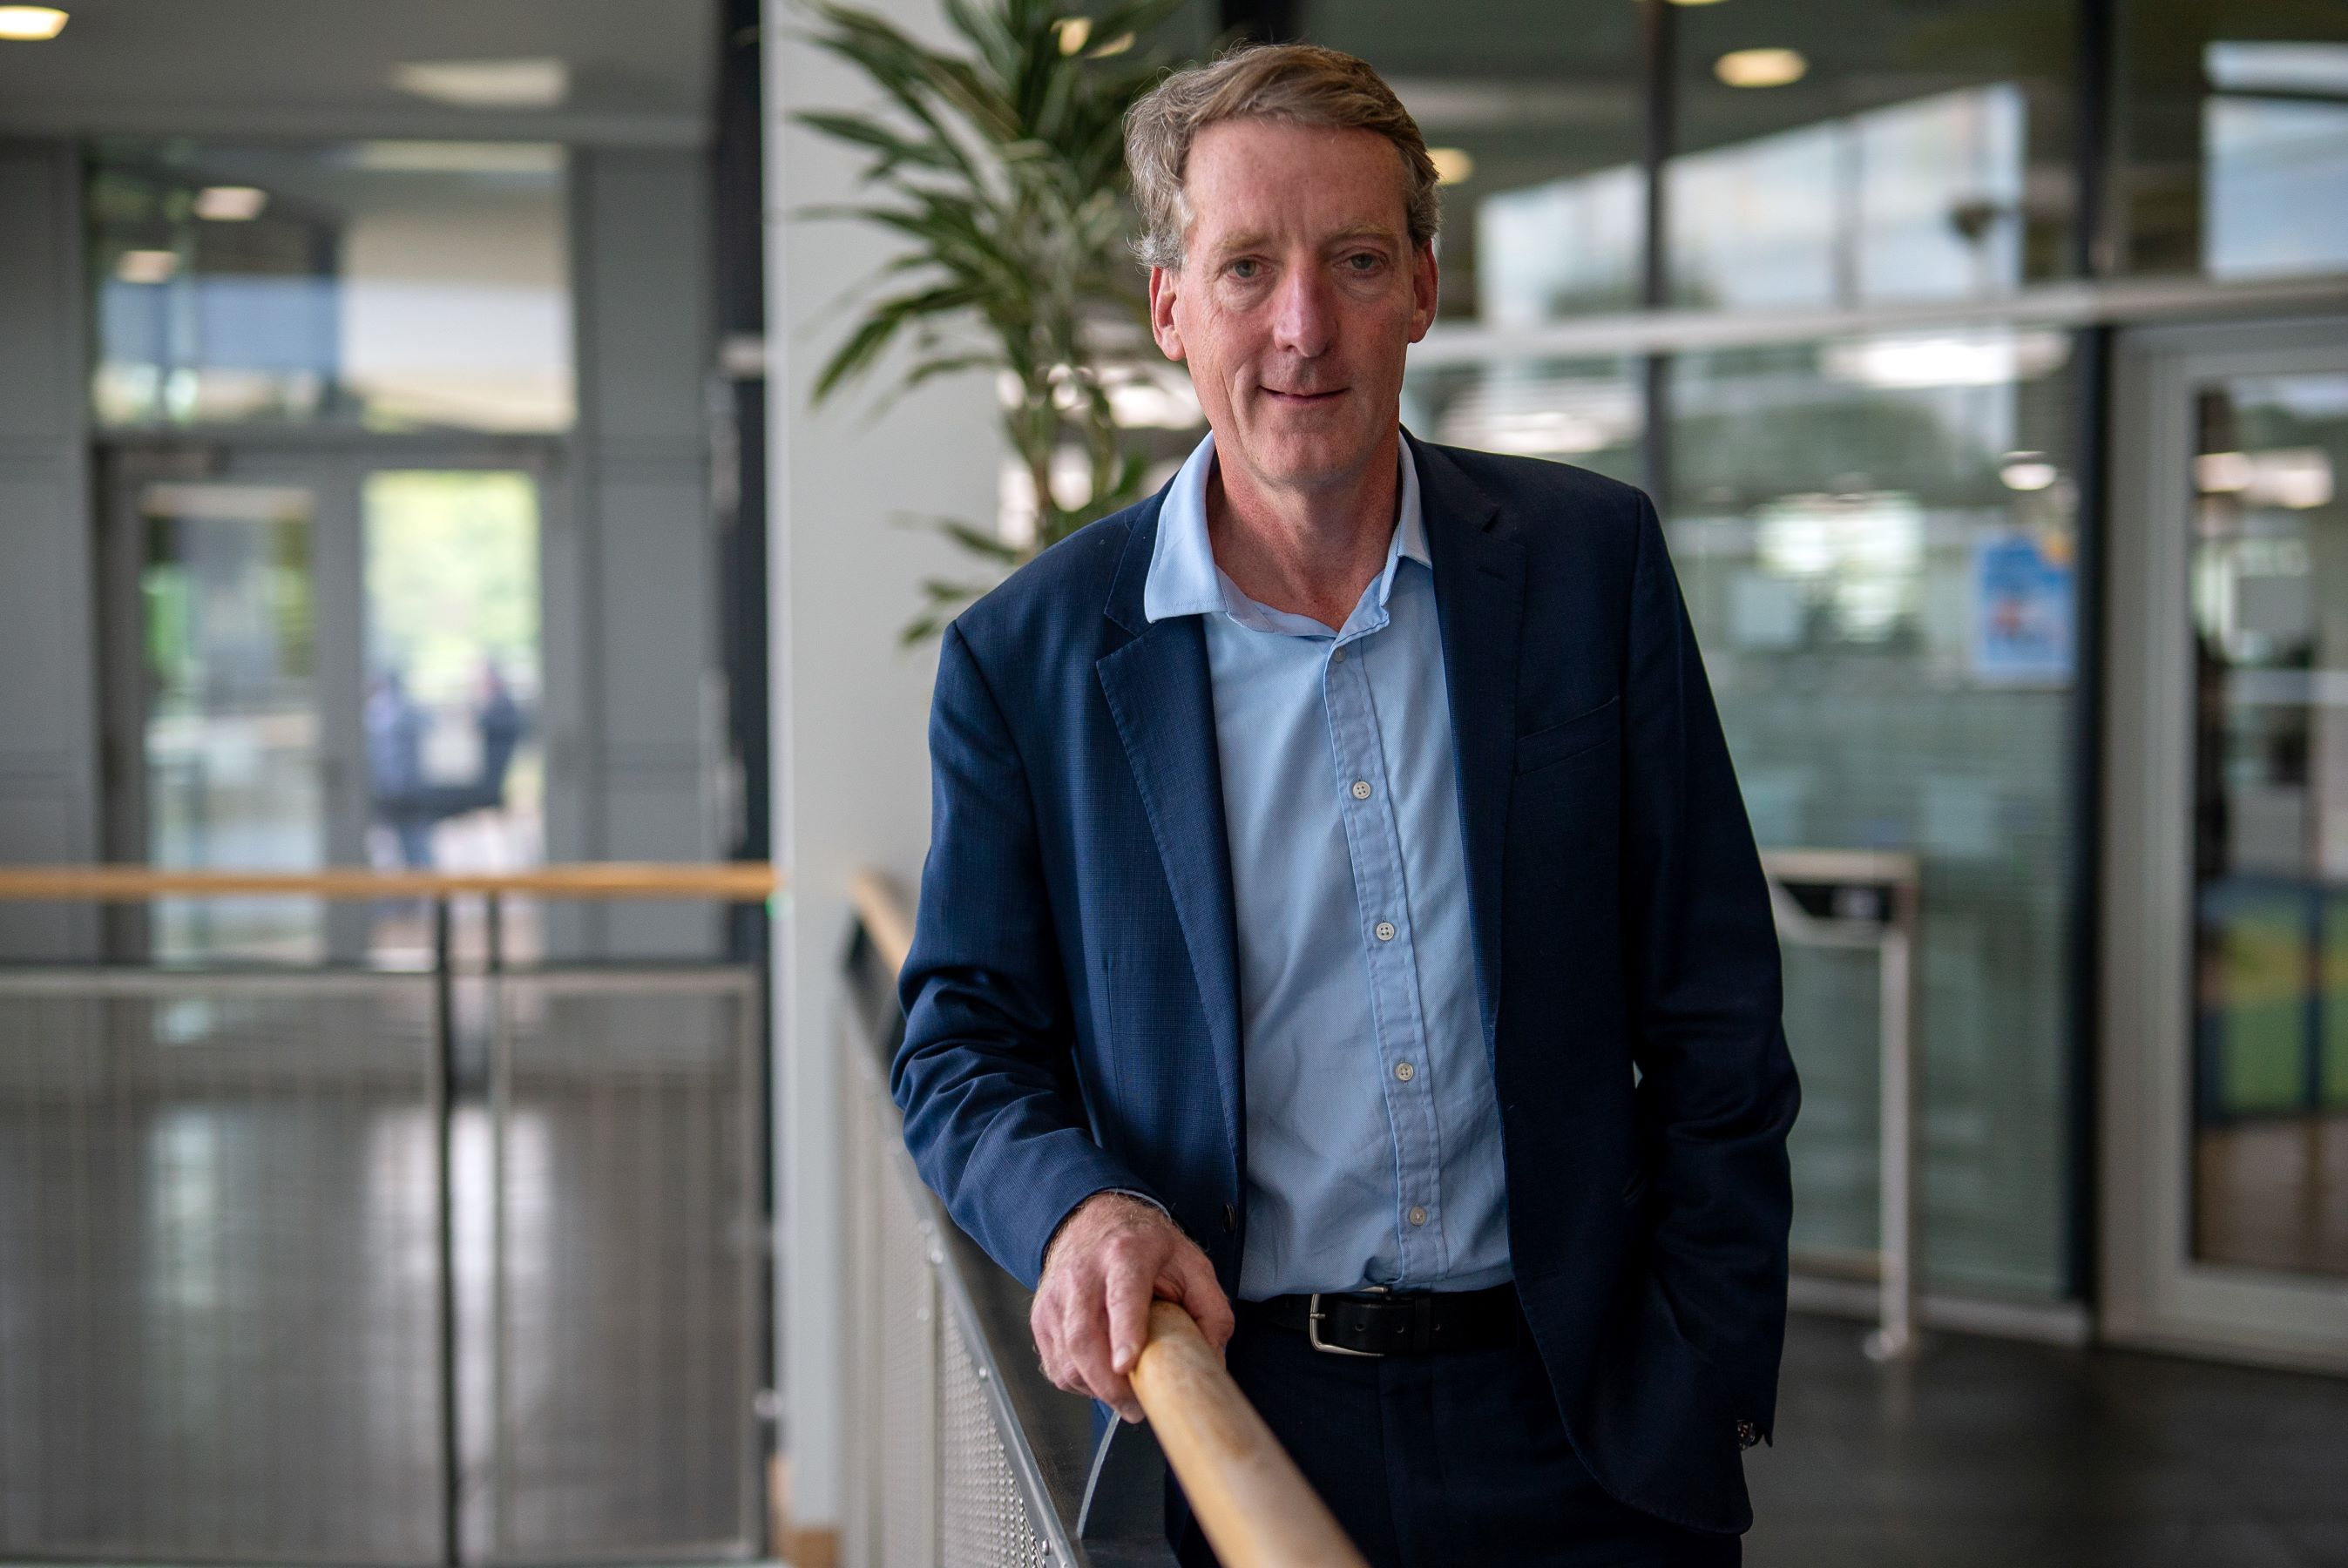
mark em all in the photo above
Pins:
pixel 1443 1460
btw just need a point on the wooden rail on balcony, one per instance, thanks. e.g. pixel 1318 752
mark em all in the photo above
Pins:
pixel 1255 1506
pixel 732 882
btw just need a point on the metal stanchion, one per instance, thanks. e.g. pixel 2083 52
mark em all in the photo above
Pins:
pixel 1869 899
pixel 444 1029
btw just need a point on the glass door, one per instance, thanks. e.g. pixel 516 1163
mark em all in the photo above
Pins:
pixel 223 671
pixel 322 658
pixel 454 742
pixel 2227 862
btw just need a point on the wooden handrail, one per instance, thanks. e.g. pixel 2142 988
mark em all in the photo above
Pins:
pixel 742 882
pixel 881 909
pixel 1248 1495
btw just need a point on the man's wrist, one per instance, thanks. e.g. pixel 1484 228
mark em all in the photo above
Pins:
pixel 1053 1241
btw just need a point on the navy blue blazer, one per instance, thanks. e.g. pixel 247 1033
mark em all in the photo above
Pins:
pixel 1072 996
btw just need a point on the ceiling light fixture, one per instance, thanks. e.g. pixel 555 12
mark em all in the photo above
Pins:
pixel 31 23
pixel 485 84
pixel 147 266
pixel 1761 67
pixel 2027 471
pixel 1452 164
pixel 231 203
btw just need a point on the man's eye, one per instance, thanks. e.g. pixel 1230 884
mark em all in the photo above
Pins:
pixel 1362 262
pixel 1245 268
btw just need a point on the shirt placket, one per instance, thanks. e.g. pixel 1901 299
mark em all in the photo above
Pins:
pixel 1374 845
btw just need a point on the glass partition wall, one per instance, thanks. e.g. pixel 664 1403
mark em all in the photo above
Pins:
pixel 1876 526
pixel 1812 275
pixel 333 379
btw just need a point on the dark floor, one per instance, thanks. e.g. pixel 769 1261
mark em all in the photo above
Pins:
pixel 1988 1452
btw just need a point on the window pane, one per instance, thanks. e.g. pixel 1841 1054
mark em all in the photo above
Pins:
pixel 1586 412
pixel 1874 153
pixel 1875 539
pixel 1532 107
pixel 393 285
pixel 2233 137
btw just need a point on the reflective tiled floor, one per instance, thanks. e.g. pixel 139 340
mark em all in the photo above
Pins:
pixel 1993 1454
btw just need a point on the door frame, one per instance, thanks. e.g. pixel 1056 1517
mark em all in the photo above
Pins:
pixel 333 466
pixel 2153 1292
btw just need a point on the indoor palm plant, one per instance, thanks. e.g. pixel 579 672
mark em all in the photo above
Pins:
pixel 1002 168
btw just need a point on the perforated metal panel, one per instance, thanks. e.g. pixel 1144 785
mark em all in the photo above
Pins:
pixel 908 1325
pixel 219 1330
pixel 982 1512
pixel 932 1484
pixel 625 1297
pixel 220 1267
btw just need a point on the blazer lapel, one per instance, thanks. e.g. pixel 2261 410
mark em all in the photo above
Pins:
pixel 1480 600
pixel 1161 696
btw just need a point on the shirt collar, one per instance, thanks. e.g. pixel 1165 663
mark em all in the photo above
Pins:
pixel 1183 578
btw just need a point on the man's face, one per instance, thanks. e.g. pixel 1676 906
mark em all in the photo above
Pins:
pixel 1298 294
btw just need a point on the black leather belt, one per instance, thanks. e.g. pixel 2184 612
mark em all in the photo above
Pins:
pixel 1396 1323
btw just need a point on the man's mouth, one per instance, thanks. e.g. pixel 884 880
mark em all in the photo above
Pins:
pixel 1303 399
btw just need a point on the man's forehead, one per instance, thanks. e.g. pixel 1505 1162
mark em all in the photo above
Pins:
pixel 1250 181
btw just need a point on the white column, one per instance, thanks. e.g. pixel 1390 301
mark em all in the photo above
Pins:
pixel 852 771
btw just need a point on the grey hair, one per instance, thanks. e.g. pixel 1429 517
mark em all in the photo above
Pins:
pixel 1301 84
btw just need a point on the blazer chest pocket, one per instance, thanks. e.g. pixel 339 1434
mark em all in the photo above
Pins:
pixel 1560 742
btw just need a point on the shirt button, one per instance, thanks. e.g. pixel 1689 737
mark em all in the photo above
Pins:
pixel 1338 657
pixel 1418 1215
pixel 1361 789
pixel 1386 930
pixel 1406 1071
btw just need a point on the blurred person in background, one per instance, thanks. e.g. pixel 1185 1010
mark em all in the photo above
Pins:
pixel 1341 918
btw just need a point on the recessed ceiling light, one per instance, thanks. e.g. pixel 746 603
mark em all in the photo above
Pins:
pixel 1761 67
pixel 231 203
pixel 146 266
pixel 1452 164
pixel 2027 471
pixel 485 84
pixel 31 23
pixel 460 157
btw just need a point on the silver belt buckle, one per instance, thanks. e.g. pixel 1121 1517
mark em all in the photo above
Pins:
pixel 1313 1335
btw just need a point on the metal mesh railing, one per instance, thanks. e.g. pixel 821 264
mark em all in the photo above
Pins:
pixel 944 1470
pixel 200 1339
pixel 225 1236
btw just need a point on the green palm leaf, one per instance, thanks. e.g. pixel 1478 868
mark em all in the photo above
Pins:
pixel 999 166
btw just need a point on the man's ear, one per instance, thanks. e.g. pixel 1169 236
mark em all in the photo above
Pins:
pixel 1425 290
pixel 1163 284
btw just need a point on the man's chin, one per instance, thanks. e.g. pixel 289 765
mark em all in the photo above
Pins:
pixel 1306 460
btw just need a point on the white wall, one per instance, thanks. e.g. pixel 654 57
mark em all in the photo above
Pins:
pixel 851 707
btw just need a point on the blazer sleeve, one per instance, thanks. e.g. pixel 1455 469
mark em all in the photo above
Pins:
pixel 986 1073
pixel 1717 1092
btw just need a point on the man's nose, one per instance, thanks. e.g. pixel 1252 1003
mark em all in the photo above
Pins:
pixel 1304 315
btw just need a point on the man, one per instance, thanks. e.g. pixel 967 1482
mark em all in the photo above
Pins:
pixel 1340 905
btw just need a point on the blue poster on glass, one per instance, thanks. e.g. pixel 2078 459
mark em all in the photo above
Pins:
pixel 2023 620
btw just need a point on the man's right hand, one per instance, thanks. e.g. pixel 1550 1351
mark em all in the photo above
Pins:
pixel 1109 1259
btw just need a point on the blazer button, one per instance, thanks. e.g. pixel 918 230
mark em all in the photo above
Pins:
pixel 1231 1218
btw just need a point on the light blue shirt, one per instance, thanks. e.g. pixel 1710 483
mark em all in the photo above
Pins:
pixel 1373 1130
